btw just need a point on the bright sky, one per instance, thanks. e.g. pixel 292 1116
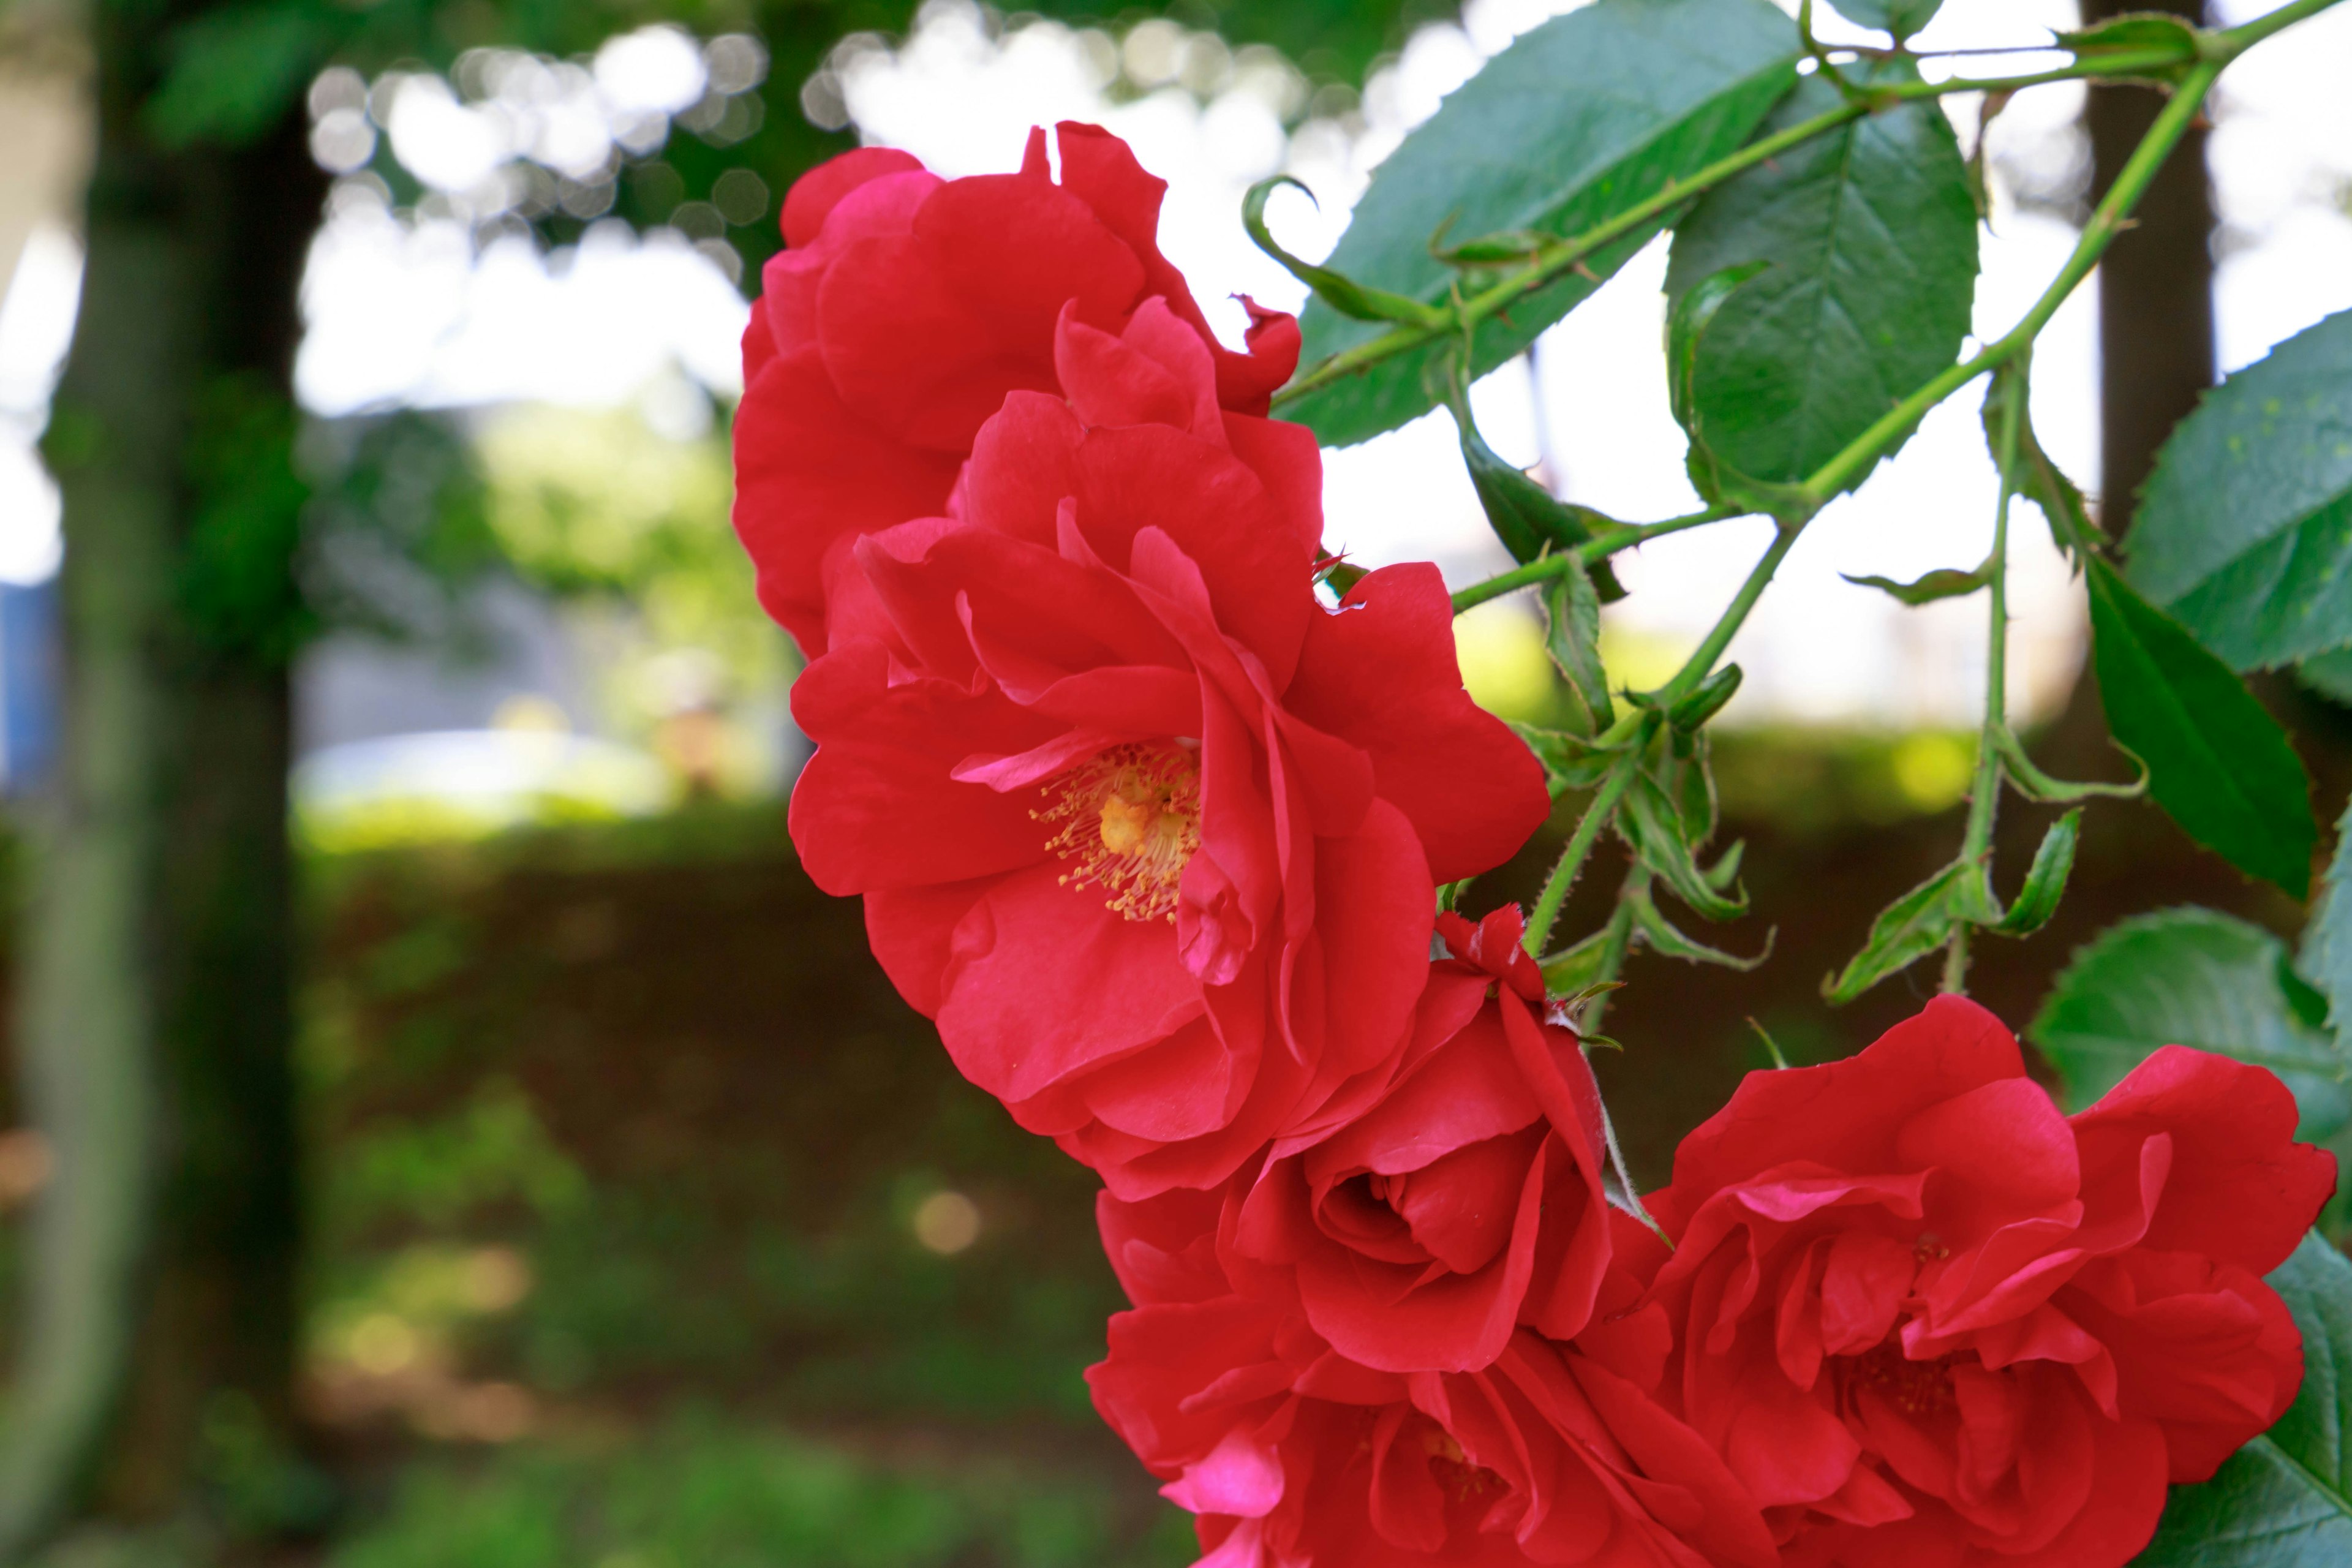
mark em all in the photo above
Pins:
pixel 403 308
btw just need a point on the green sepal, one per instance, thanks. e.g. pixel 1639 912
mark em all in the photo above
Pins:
pixel 1707 700
pixel 1695 796
pixel 1570 761
pixel 1572 637
pixel 2034 784
pixel 1358 301
pixel 1906 931
pixel 1574 971
pixel 1663 938
pixel 1651 823
pixel 2045 880
pixel 1343 575
pixel 1944 583
pixel 1726 870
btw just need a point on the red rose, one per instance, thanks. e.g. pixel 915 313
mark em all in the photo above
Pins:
pixel 1467 1199
pixel 904 309
pixel 1928 1321
pixel 1149 831
pixel 1293 1456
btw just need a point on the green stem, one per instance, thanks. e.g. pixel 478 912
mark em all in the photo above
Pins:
pixel 1701 663
pixel 1592 550
pixel 1546 914
pixel 1563 256
pixel 2230 42
pixel 1984 792
pixel 1616 942
pixel 2105 223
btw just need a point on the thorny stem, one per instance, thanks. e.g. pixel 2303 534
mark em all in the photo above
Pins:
pixel 1546 914
pixel 1617 941
pixel 1555 260
pixel 1597 548
pixel 1701 663
pixel 1984 794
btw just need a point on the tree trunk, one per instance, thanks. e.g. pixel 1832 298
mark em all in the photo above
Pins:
pixel 157 1030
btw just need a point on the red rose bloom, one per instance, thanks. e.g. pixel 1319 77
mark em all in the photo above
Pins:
pixel 1932 1323
pixel 903 310
pixel 1467 1199
pixel 1148 830
pixel 1293 1456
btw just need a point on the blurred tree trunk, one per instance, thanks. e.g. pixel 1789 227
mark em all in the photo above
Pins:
pixel 2156 283
pixel 156 1031
pixel 2155 334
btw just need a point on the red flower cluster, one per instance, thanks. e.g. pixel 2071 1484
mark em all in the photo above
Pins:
pixel 1153 832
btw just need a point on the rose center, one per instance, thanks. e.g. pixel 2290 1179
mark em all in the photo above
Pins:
pixel 1128 820
pixel 1916 1388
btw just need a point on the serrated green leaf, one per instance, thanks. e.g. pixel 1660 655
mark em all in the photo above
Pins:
pixel 1570 761
pixel 2245 531
pixel 1906 931
pixel 1871 236
pixel 2327 939
pixel 1944 583
pixel 2328 674
pixel 2140 33
pixel 2045 880
pixel 1582 118
pixel 1572 637
pixel 1528 518
pixel 2188 978
pixel 2038 479
pixel 2217 760
pixel 2283 1501
pixel 1651 823
pixel 1663 938
pixel 1900 17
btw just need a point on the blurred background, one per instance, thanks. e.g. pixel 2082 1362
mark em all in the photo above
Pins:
pixel 445 1129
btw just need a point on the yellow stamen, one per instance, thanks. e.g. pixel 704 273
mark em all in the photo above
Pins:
pixel 1130 818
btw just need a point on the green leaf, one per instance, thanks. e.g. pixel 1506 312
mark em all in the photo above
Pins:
pixel 1695 797
pixel 2188 978
pixel 2045 880
pixel 1944 583
pixel 2328 674
pixel 2283 1501
pixel 2038 479
pixel 1343 294
pixel 2142 33
pixel 1580 120
pixel 1528 518
pixel 1906 931
pixel 2327 939
pixel 1572 615
pixel 2217 759
pixel 1872 236
pixel 1651 823
pixel 2245 531
pixel 1900 17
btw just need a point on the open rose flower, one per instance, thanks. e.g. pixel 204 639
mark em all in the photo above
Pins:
pixel 1928 1321
pixel 1148 830
pixel 1467 1199
pixel 1292 1455
pixel 903 309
